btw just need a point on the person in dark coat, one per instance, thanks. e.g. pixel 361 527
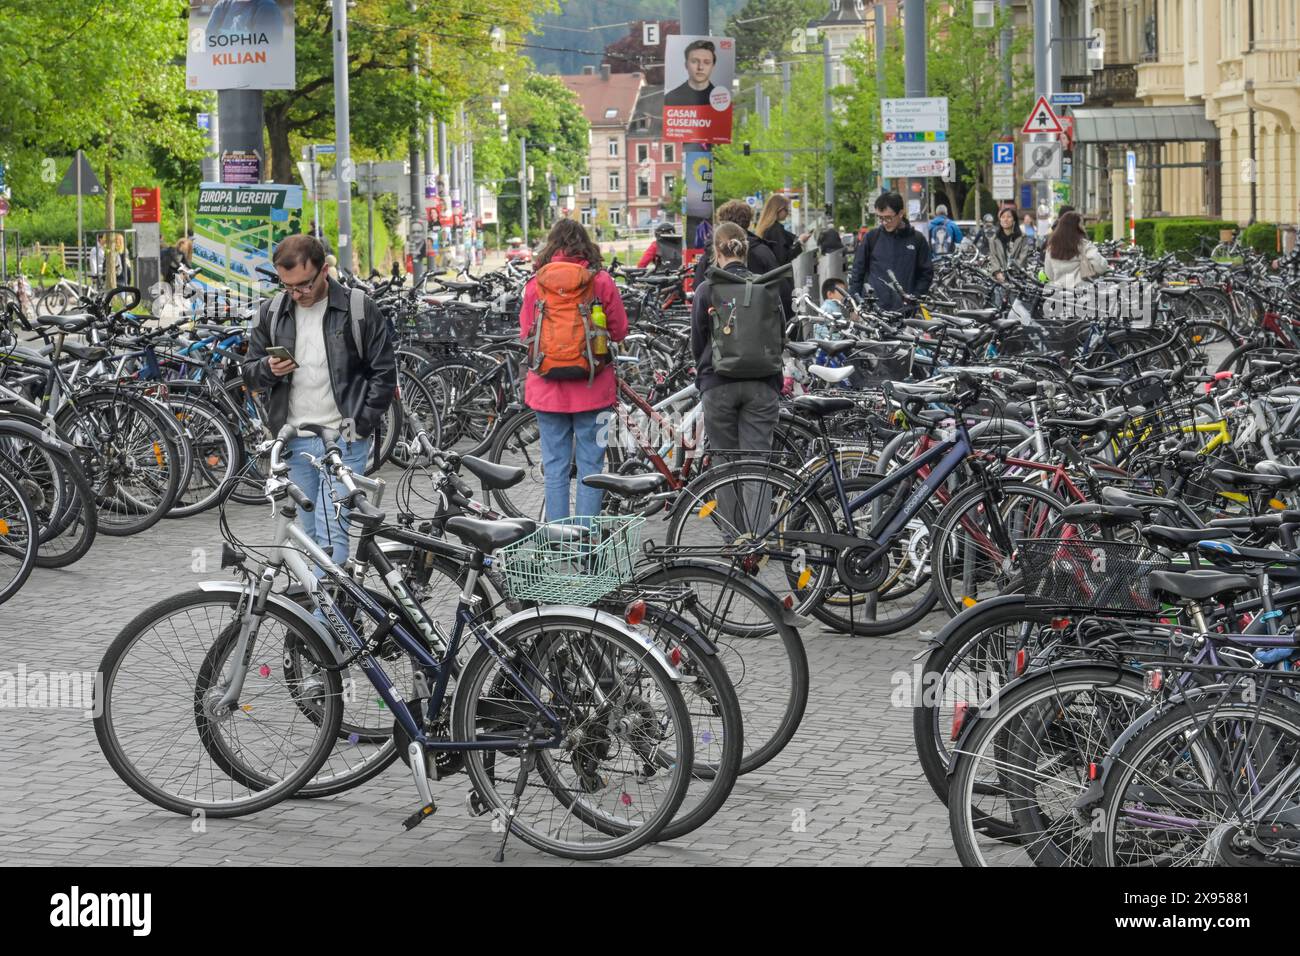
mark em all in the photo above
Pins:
pixel 772 230
pixel 893 246
pixel 760 258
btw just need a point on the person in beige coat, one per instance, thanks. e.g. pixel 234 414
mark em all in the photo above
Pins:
pixel 1071 256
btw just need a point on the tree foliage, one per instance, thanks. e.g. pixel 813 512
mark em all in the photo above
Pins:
pixel 766 26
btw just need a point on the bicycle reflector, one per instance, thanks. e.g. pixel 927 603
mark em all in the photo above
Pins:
pixel 634 613
pixel 1093 771
pixel 1022 658
pixel 1060 623
pixel 1154 680
pixel 959 719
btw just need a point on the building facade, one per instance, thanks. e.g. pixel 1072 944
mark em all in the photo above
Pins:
pixel 608 101
pixel 654 166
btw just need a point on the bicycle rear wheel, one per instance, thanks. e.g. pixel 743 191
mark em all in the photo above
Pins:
pixel 19 534
pixel 623 764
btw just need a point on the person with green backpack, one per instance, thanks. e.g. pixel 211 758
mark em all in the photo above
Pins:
pixel 738 339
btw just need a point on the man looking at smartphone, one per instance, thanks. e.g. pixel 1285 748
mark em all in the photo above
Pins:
pixel 319 363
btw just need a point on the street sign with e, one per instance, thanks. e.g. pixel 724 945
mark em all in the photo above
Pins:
pixel 1067 99
pixel 1042 119
pixel 920 114
pixel 649 34
pixel 1004 154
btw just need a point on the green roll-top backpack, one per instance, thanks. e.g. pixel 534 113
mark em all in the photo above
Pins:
pixel 747 323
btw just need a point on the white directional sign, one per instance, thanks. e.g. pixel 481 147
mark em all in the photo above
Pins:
pixel 1004 182
pixel 1042 161
pixel 919 115
pixel 1131 167
pixel 913 159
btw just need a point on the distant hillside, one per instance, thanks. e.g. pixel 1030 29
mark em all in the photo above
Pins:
pixel 579 15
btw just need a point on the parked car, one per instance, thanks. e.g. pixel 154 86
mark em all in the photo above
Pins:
pixel 517 251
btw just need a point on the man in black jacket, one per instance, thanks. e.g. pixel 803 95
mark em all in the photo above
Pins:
pixel 760 260
pixel 893 246
pixel 342 374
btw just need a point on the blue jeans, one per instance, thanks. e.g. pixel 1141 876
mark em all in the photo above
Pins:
pixel 564 438
pixel 327 531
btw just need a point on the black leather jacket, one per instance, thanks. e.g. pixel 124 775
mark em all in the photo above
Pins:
pixel 364 385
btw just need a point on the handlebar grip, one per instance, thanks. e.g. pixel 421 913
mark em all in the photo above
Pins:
pixel 300 496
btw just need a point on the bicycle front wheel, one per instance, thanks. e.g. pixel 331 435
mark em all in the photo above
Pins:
pixel 19 533
pixel 623 762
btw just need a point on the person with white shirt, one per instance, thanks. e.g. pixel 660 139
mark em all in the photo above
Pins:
pixel 343 375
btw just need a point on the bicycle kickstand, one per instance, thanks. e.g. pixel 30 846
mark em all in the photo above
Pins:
pixel 525 767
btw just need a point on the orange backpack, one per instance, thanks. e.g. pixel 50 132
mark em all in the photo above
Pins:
pixel 560 346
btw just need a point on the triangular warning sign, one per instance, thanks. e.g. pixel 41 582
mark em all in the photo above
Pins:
pixel 1042 119
pixel 90 185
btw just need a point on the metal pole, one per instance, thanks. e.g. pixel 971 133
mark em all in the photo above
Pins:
pixel 828 80
pixel 416 182
pixel 315 192
pixel 523 185
pixel 693 17
pixel 785 112
pixel 370 216
pixel 342 137
pixel 1042 66
pixel 914 63
pixel 1004 53
pixel 81 242
pixel 881 89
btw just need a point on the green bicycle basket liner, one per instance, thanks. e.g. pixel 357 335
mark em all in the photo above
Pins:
pixel 546 568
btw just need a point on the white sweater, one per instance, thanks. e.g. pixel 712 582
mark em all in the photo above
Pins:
pixel 311 394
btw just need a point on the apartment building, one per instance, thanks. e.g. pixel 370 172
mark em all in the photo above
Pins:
pixel 608 101
pixel 654 166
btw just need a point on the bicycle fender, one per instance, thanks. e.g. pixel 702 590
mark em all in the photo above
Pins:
pixel 602 617
pixel 297 611
pixel 941 638
pixel 37 435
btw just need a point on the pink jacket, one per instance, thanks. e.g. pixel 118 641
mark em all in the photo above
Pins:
pixel 574 395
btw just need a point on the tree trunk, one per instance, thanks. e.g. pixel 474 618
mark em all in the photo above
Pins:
pixel 277 133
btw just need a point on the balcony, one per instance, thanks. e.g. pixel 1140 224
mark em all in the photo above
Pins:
pixel 1077 83
pixel 1273 66
pixel 1160 83
pixel 1114 83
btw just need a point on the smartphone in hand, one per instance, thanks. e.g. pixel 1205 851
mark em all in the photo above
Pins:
pixel 281 353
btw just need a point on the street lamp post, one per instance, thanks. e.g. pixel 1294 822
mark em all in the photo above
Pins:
pixel 342 137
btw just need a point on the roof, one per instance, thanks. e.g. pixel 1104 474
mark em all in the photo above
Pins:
pixel 844 13
pixel 649 105
pixel 1144 124
pixel 599 95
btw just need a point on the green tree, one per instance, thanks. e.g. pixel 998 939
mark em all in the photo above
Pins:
pixel 766 26
pixel 547 112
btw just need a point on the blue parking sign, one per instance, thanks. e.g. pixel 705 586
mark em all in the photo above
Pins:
pixel 1004 154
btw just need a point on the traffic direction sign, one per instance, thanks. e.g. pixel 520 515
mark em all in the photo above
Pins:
pixel 920 114
pixel 913 159
pixel 1067 99
pixel 1042 119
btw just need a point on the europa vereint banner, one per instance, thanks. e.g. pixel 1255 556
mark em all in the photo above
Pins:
pixel 240 45
pixel 237 230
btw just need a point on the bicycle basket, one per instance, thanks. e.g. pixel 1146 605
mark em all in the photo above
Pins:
pixel 545 569
pixel 1088 573
pixel 448 324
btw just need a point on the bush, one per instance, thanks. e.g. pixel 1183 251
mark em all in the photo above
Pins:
pixel 987 203
pixel 1262 237
pixel 1186 235
pixel 1100 231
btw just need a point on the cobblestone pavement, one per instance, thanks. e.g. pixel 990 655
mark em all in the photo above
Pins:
pixel 846 790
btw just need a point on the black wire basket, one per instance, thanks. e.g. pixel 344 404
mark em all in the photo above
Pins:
pixel 1092 574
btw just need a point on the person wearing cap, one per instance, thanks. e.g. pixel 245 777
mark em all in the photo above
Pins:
pixel 665 252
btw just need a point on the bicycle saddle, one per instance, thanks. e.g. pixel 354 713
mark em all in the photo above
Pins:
pixel 1249 479
pixel 455 286
pixel 86 353
pixel 1118 496
pixel 801 349
pixel 819 406
pixel 1241 552
pixel 67 323
pixel 1096 382
pixel 1290 472
pixel 979 315
pixel 487 536
pixel 1104 515
pixel 660 280
pixel 1178 290
pixel 627 486
pixel 1179 539
pixel 1199 585
pixel 832 375
pixel 838 347
pixel 492 476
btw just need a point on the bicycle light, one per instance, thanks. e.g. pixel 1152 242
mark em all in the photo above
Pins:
pixel 634 613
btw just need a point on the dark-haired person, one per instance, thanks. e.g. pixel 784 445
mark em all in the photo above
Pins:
pixel 665 252
pixel 1009 245
pixel 759 259
pixel 569 411
pixel 1071 257
pixel 329 381
pixel 701 58
pixel 893 246
pixel 834 295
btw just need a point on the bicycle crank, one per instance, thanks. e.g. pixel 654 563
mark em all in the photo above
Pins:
pixel 856 569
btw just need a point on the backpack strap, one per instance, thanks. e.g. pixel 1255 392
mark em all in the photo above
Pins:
pixel 357 312
pixel 273 313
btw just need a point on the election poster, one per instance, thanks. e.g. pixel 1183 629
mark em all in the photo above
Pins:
pixel 240 45
pixel 699 182
pixel 697 82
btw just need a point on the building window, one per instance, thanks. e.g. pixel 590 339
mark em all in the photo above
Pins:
pixel 584 184
pixel 585 216
pixel 615 216
pixel 615 181
pixel 642 187
pixel 670 152
pixel 613 146
pixel 642 152
pixel 670 183
pixel 611 113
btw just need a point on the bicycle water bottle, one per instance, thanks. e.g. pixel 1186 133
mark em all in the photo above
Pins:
pixel 600 333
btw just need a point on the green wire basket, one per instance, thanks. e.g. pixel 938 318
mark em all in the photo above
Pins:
pixel 548 570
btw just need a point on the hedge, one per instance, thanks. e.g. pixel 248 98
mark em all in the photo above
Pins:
pixel 1185 235
pixel 1262 237
pixel 1100 231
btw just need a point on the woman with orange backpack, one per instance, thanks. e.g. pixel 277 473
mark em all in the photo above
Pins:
pixel 571 311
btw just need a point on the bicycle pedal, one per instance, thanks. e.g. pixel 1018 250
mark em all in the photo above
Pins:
pixel 419 816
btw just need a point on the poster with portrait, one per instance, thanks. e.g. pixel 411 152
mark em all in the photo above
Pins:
pixel 240 45
pixel 697 88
